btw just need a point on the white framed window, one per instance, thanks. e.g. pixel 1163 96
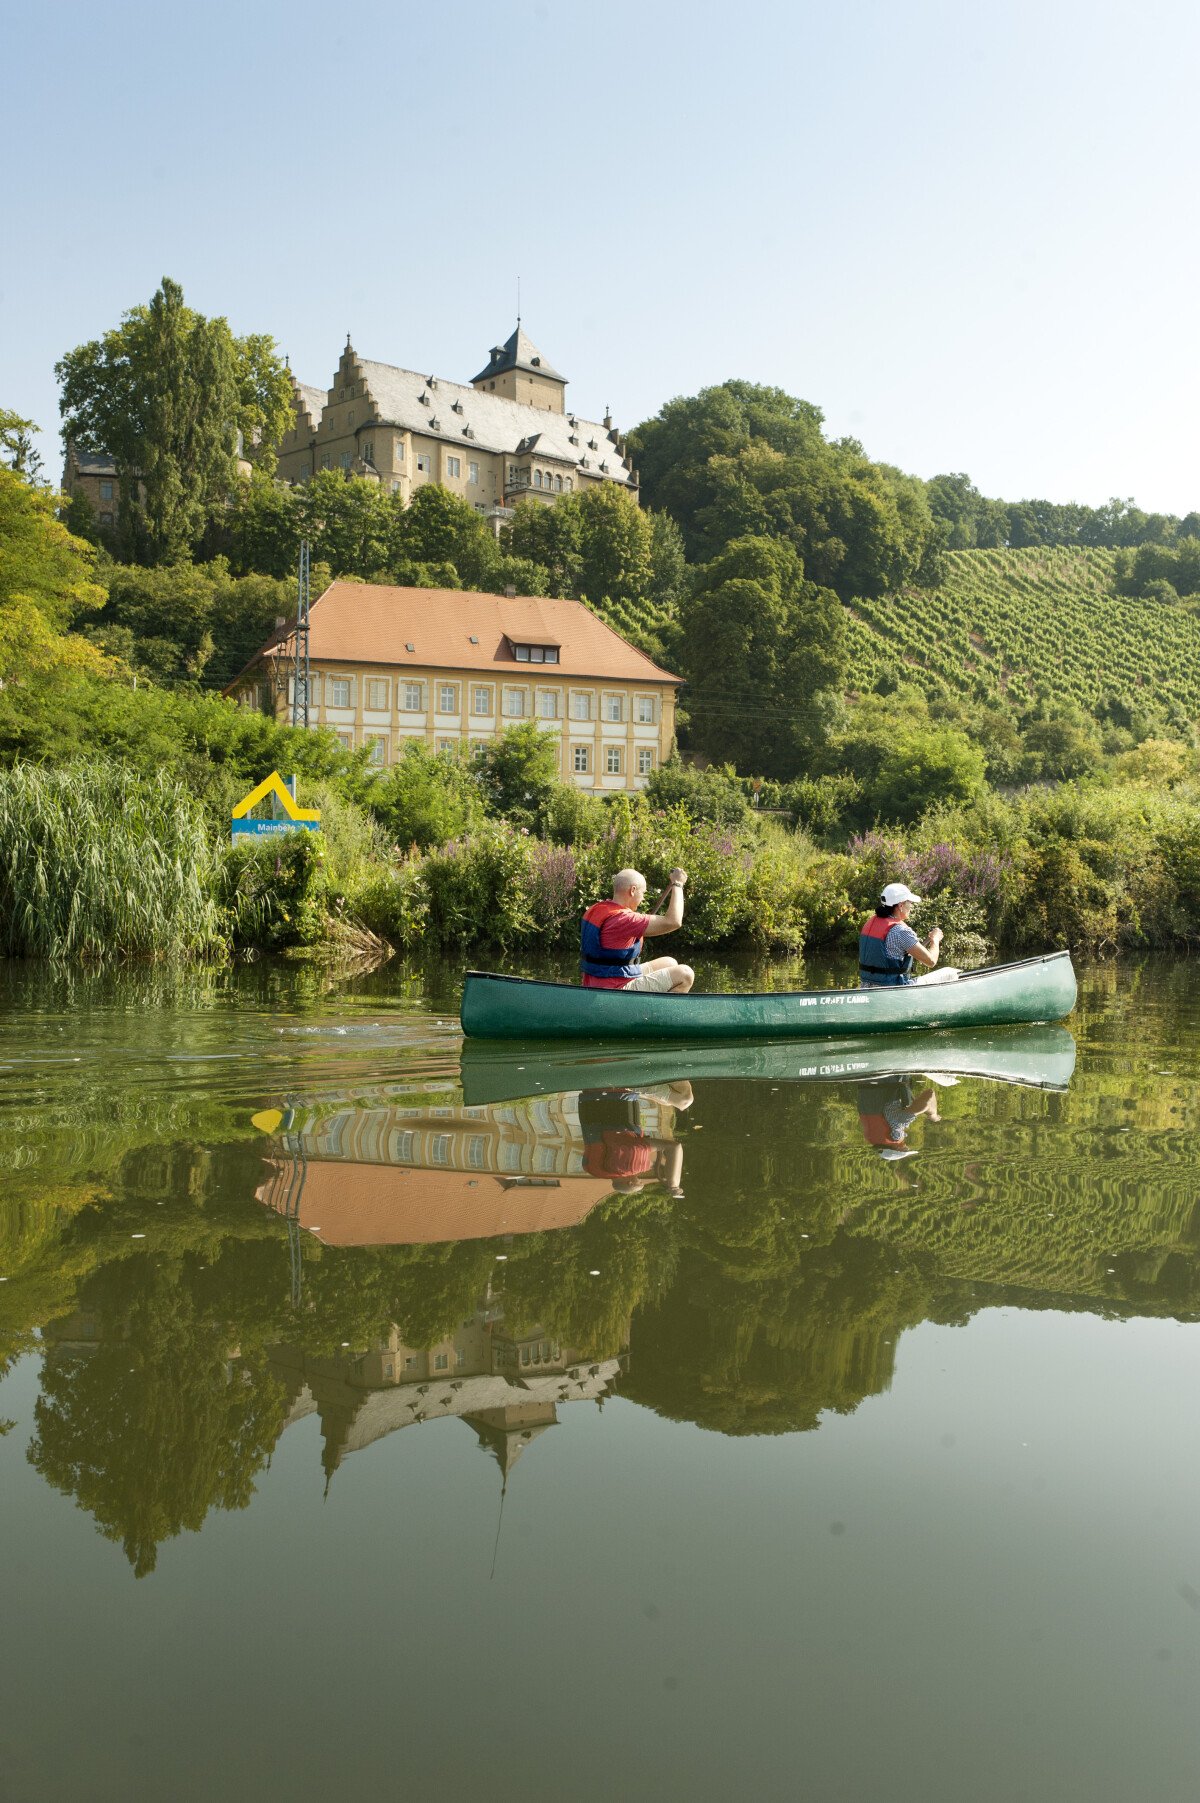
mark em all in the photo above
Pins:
pixel 346 459
pixel 514 703
pixel 473 473
pixel 581 705
pixel 481 699
pixel 439 1151
pixel 614 707
pixel 379 751
pixel 551 654
pixel 346 741
pixel 454 466
pixel 645 760
pixel 413 693
pixel 339 691
pixel 447 698
pixel 106 491
pixel 326 461
pixel 613 760
pixel 377 693
pixel 441 1360
pixel 398 453
pixel 446 744
pixel 581 760
pixel 368 451
pixel 644 710
pixel 424 462
pixel 548 704
pixel 476 1152
pixel 521 653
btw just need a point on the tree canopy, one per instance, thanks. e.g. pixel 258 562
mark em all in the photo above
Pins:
pixel 171 396
pixel 742 460
pixel 763 649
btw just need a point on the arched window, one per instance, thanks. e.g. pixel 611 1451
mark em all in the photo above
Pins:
pixel 537 478
pixel 558 485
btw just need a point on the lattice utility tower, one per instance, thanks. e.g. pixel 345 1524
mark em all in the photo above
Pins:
pixel 301 675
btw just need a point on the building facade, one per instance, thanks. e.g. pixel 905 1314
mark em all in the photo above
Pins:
pixel 505 435
pixel 452 669
pixel 93 474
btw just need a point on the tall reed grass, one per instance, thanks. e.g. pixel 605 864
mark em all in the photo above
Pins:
pixel 98 862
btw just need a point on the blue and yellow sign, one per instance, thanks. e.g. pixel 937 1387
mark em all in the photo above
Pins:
pixel 291 819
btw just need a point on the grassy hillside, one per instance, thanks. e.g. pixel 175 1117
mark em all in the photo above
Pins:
pixel 1004 622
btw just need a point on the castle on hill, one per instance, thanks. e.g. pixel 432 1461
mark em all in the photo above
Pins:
pixel 502 436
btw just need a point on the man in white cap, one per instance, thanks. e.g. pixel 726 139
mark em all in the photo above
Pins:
pixel 888 947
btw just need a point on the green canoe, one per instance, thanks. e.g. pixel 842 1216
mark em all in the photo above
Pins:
pixel 497 1007
pixel 1041 1057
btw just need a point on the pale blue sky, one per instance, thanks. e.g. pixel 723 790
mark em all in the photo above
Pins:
pixel 966 231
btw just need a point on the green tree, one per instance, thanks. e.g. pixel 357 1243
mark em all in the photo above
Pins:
pixel 763 650
pixel 170 395
pixel 518 772
pixel 428 797
pixel 741 460
pixel 18 447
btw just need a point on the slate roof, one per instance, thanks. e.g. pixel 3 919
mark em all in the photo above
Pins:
pixel 364 623
pixel 409 400
pixel 93 463
pixel 518 352
pixel 313 401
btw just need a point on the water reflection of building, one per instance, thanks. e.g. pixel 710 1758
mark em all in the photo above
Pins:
pixel 412 1176
pixel 507 1387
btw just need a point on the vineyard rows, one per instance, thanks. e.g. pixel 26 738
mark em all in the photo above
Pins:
pixel 1004 623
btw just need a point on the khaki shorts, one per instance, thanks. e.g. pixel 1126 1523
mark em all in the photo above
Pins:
pixel 651 982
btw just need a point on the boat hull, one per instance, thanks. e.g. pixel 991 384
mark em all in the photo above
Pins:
pixel 499 1007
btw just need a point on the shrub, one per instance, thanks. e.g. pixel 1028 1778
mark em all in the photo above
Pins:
pixel 479 889
pixel 518 773
pixel 427 798
pixel 394 904
pixel 273 893
pixel 714 795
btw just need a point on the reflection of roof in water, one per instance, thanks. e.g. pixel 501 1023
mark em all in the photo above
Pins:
pixel 395 1205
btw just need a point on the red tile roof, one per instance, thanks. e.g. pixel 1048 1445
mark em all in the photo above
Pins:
pixel 361 623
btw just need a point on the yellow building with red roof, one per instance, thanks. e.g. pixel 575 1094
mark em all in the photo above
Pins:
pixel 453 668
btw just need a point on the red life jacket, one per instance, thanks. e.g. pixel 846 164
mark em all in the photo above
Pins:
pixel 613 963
pixel 874 963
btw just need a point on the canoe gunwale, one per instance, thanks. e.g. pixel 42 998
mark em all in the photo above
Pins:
pixel 771 995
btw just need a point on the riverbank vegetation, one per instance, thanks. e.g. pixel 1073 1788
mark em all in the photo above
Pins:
pixel 997 699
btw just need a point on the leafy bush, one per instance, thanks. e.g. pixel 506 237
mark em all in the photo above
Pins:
pixel 393 903
pixel 714 794
pixel 518 773
pixel 273 893
pixel 428 797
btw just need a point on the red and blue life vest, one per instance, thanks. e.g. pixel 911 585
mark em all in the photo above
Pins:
pixel 875 966
pixel 596 960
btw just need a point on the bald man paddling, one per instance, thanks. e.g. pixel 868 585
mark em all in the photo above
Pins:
pixel 612 934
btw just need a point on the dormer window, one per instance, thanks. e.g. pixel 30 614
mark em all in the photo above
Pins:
pixel 534 654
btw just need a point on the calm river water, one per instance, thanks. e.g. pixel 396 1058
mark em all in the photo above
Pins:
pixel 383 1419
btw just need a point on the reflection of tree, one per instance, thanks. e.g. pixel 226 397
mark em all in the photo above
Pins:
pixel 629 1242
pixel 155 1425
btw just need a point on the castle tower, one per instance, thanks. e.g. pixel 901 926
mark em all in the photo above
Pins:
pixel 517 370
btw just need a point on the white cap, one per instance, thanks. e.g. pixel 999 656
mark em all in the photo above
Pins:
pixel 896 893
